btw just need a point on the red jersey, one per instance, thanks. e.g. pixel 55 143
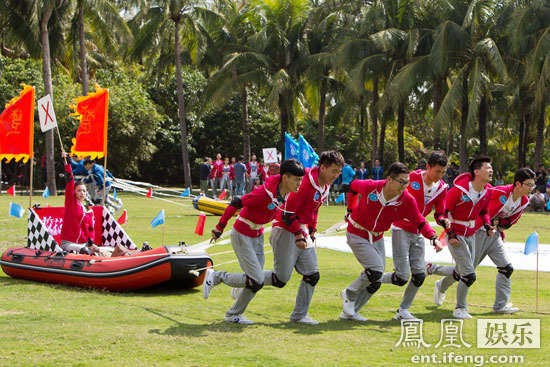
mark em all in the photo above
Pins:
pixel 370 218
pixel 425 205
pixel 258 208
pixel 497 208
pixel 304 204
pixel 78 224
pixel 460 208
pixel 217 170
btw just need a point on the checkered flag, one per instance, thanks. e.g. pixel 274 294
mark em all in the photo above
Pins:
pixel 113 233
pixel 38 236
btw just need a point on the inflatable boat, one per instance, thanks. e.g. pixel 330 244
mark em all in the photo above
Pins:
pixel 209 205
pixel 44 261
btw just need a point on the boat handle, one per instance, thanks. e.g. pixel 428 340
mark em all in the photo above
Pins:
pixel 77 265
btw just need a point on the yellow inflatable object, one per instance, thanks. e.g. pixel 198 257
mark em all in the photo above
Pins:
pixel 209 205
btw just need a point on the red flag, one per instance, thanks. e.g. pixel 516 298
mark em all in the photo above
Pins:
pixel 149 193
pixel 91 137
pixel 11 190
pixel 442 239
pixel 199 229
pixel 222 195
pixel 17 127
pixel 123 218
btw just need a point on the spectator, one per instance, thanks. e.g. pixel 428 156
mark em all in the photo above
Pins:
pixel 348 173
pixel 498 180
pixel 536 201
pixel 450 175
pixel 547 198
pixel 217 172
pixel 253 171
pixel 239 176
pixel 227 177
pixel 540 180
pixel 204 173
pixel 336 187
pixel 362 172
pixel 377 170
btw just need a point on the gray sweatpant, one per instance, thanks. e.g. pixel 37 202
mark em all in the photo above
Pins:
pixel 286 257
pixel 250 253
pixel 484 246
pixel 373 257
pixel 408 253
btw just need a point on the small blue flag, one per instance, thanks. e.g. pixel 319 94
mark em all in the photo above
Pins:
pixel 340 198
pixel 16 210
pixel 532 243
pixel 46 192
pixel 308 157
pixel 159 219
pixel 185 192
pixel 292 148
pixel 114 192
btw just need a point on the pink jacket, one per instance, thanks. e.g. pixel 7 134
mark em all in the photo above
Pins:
pixel 499 196
pixel 370 219
pixel 78 225
pixel 258 208
pixel 416 189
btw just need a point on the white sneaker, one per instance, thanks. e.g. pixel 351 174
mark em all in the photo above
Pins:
pixel 405 315
pixel 348 306
pixel 306 320
pixel 236 292
pixel 430 268
pixel 507 309
pixel 461 313
pixel 439 296
pixel 238 319
pixel 208 283
pixel 354 317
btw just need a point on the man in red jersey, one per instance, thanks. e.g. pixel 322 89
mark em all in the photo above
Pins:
pixel 429 190
pixel 466 202
pixel 256 209
pixel 380 204
pixel 505 208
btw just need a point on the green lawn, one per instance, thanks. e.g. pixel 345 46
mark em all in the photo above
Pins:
pixel 54 325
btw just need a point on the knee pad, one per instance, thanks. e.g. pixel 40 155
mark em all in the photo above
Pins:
pixel 373 276
pixel 312 279
pixel 469 279
pixel 253 285
pixel 456 276
pixel 398 281
pixel 373 287
pixel 507 271
pixel 276 282
pixel 418 279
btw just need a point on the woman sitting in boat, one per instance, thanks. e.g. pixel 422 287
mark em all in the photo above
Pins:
pixel 77 232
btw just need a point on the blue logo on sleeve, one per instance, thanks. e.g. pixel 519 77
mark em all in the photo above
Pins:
pixel 373 196
pixel 503 199
pixel 271 206
pixel 316 196
pixel 415 185
pixel 465 198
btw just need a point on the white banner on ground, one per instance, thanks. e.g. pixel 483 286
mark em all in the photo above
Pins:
pixel 514 250
pixel 46 113
pixel 270 155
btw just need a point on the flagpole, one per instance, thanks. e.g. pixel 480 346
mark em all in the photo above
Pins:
pixel 104 177
pixel 537 283
pixel 61 144
pixel 163 225
pixel 31 161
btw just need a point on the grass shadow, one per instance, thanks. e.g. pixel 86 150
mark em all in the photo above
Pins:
pixel 334 325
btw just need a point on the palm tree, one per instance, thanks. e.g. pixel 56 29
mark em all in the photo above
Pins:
pixel 162 20
pixel 37 24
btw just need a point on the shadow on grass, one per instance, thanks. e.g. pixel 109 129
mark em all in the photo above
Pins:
pixel 6 281
pixel 196 330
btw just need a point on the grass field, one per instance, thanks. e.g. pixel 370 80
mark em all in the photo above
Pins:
pixel 54 325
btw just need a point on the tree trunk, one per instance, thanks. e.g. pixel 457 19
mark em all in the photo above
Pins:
pixel 483 126
pixel 539 142
pixel 438 100
pixel 246 127
pixel 381 141
pixel 374 126
pixel 401 131
pixel 284 119
pixel 322 113
pixel 181 109
pixel 363 122
pixel 48 89
pixel 462 149
pixel 83 63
